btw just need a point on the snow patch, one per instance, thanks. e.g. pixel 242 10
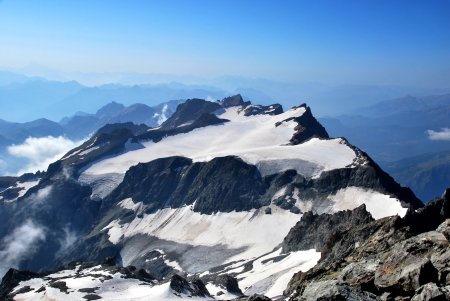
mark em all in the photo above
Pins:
pixel 379 205
pixel 129 204
pixel 270 274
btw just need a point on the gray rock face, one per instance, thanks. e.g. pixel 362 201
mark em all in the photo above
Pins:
pixel 314 231
pixel 407 266
pixel 359 273
pixel 222 184
pixel 404 274
pixel 232 101
pixel 333 291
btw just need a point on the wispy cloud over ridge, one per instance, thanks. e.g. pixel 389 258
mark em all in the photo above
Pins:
pixel 40 152
pixel 20 244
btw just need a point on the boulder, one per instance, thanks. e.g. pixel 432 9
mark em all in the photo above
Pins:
pixel 429 292
pixel 361 274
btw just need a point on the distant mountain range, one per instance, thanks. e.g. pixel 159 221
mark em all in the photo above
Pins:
pixel 54 99
pixel 392 131
pixel 77 127
pixel 426 174
pixel 43 98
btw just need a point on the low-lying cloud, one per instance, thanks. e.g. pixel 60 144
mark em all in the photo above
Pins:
pixel 19 245
pixel 443 134
pixel 40 152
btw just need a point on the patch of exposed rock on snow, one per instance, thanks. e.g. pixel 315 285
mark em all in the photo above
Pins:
pixel 25 187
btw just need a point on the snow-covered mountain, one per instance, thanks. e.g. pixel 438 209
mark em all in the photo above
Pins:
pixel 211 193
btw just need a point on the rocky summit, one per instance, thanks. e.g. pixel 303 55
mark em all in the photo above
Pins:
pixel 224 200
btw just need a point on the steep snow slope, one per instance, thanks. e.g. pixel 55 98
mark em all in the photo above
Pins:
pixel 257 139
pixel 253 232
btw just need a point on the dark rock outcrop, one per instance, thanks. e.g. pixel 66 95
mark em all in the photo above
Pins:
pixel 227 282
pixel 273 109
pixel 222 184
pixel 11 280
pixel 190 111
pixel 233 101
pixel 314 231
pixel 156 135
pixel 181 286
pixel 307 127
pixel 431 216
pixel 6 182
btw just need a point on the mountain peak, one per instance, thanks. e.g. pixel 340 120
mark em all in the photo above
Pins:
pixel 109 109
pixel 232 101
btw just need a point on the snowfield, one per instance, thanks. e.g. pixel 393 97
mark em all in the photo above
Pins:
pixel 254 231
pixel 105 284
pixel 255 139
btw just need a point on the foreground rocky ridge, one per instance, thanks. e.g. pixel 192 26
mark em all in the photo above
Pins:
pixel 389 259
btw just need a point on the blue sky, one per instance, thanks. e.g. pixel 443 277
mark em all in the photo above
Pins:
pixel 370 42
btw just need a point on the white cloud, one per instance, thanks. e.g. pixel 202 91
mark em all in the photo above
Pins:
pixel 443 134
pixel 40 152
pixel 19 245
pixel 41 195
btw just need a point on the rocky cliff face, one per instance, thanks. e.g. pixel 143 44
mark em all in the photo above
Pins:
pixel 221 185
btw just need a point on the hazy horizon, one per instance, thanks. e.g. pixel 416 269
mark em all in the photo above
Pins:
pixel 400 43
